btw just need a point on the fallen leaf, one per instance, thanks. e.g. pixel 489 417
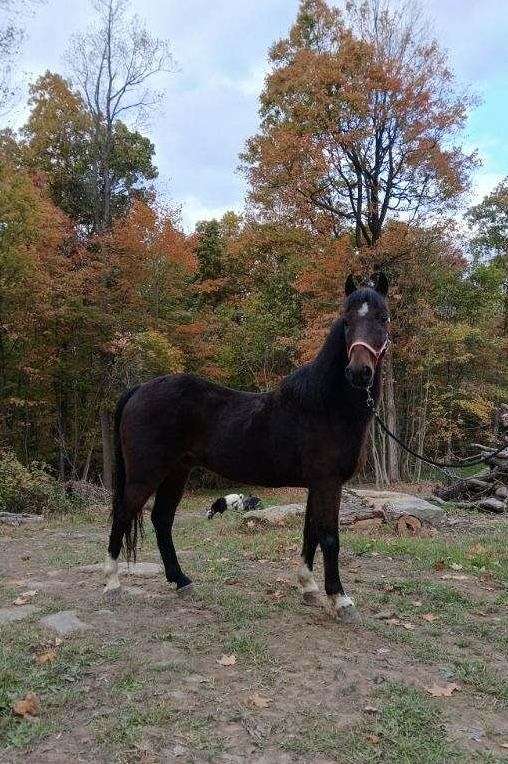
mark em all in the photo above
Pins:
pixel 227 660
pixel 371 709
pixel 46 657
pixel 25 597
pixel 439 565
pixel 373 738
pixel 444 691
pixel 259 701
pixel 27 707
pixel 430 617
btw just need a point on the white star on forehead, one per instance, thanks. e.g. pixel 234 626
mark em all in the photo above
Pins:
pixel 363 309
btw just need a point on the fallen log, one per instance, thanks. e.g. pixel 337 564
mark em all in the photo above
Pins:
pixel 407 525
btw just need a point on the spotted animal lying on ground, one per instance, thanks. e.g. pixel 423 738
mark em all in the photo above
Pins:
pixel 236 501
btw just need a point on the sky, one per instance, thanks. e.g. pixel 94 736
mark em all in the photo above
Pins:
pixel 210 106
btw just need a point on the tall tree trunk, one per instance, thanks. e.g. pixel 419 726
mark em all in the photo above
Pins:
pixel 88 461
pixel 393 469
pixel 107 459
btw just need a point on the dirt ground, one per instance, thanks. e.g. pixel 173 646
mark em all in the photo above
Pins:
pixel 243 671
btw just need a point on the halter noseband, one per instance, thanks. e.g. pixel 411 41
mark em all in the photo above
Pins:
pixel 376 353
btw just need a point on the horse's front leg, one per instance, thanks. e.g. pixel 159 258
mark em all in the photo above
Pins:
pixel 327 499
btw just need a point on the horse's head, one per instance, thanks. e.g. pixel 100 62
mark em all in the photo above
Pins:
pixel 366 322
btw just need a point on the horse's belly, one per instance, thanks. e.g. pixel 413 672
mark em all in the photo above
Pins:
pixel 253 460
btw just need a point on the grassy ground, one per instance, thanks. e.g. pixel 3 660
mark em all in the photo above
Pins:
pixel 145 683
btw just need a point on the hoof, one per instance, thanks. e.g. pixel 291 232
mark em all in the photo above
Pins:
pixel 186 590
pixel 312 599
pixel 348 614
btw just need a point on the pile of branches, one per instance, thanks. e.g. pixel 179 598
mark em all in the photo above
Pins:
pixel 486 491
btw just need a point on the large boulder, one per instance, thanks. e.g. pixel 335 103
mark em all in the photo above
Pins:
pixel 356 506
pixel 353 508
pixel 275 515
pixel 395 504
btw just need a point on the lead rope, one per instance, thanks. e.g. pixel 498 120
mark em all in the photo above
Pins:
pixel 445 467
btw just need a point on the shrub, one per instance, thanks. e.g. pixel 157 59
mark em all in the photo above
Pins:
pixel 31 489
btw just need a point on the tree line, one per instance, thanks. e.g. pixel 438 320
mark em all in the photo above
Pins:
pixel 356 167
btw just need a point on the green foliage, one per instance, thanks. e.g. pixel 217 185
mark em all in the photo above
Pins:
pixel 144 355
pixel 260 335
pixel 209 250
pixel 31 489
pixel 62 140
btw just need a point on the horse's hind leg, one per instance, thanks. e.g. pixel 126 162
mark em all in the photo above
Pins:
pixel 125 518
pixel 167 499
pixel 309 587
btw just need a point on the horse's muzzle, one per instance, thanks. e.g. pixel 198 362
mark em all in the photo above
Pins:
pixel 360 375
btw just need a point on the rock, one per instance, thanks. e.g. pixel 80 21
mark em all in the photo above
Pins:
pixel 275 515
pixel 9 614
pixel 357 506
pixel 175 752
pixel 502 491
pixel 64 622
pixel 436 500
pixel 491 505
pixel 146 569
pixel 395 504
pixel 18 518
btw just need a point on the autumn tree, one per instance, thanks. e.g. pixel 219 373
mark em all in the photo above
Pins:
pixel 489 224
pixel 209 249
pixel 59 140
pixel 358 114
pixel 113 64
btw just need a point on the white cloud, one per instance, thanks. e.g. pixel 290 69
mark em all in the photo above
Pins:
pixel 194 210
pixel 484 183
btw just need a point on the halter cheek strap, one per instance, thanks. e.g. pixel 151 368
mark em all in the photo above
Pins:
pixel 376 353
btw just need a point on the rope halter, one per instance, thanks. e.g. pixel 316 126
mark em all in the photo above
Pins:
pixel 375 353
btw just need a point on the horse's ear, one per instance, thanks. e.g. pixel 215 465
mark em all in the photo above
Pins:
pixel 382 284
pixel 350 285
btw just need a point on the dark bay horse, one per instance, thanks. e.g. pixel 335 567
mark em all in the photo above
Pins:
pixel 308 432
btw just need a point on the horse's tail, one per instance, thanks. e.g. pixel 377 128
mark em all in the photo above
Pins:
pixel 130 526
